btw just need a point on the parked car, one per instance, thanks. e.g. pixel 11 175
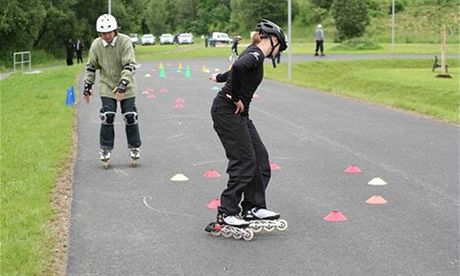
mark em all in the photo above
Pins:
pixel 148 39
pixel 166 39
pixel 185 38
pixel 134 38
pixel 218 37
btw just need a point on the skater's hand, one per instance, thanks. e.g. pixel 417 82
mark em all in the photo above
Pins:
pixel 119 96
pixel 87 92
pixel 213 77
pixel 239 107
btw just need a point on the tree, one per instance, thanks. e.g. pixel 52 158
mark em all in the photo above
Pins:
pixel 249 12
pixel 324 4
pixel 19 25
pixel 351 18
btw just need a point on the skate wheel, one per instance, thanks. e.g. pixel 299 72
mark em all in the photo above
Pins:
pixel 106 164
pixel 237 235
pixel 248 235
pixel 227 233
pixel 269 228
pixel 215 233
pixel 256 228
pixel 134 163
pixel 283 225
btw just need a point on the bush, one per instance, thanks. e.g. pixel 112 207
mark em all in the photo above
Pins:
pixel 358 44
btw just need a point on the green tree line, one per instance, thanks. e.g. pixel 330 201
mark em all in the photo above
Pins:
pixel 48 24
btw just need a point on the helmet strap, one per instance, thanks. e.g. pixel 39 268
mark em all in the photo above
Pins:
pixel 271 51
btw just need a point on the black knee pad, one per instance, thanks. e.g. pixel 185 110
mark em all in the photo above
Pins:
pixel 107 115
pixel 131 117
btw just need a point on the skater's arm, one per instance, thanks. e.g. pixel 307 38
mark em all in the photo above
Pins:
pixel 129 64
pixel 91 66
pixel 222 77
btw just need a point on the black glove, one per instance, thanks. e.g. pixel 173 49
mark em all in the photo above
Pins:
pixel 87 89
pixel 122 86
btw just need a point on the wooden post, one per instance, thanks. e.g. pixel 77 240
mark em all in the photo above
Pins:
pixel 444 73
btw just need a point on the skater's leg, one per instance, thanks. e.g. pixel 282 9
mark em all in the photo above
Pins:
pixel 254 193
pixel 321 47
pixel 107 115
pixel 234 135
pixel 130 116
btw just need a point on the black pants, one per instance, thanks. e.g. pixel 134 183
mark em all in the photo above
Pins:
pixel 79 57
pixel 107 134
pixel 319 46
pixel 248 163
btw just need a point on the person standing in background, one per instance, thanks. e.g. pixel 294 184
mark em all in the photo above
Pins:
pixel 79 50
pixel 70 48
pixel 319 36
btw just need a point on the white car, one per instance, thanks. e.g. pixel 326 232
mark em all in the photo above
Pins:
pixel 220 37
pixel 166 39
pixel 148 39
pixel 185 38
pixel 134 38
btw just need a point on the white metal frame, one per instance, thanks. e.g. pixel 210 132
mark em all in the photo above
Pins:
pixel 22 61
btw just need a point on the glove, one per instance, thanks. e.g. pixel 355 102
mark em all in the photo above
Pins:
pixel 87 89
pixel 122 86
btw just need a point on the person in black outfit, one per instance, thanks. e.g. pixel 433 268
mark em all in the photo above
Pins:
pixel 236 41
pixel 79 50
pixel 248 166
pixel 70 48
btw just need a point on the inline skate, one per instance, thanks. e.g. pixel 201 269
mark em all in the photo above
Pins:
pixel 263 219
pixel 105 157
pixel 134 154
pixel 230 226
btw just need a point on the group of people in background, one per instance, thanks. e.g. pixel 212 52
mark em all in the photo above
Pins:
pixel 72 49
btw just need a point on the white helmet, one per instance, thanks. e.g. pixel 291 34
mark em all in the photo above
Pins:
pixel 319 26
pixel 106 23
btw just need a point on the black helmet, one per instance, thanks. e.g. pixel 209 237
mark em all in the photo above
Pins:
pixel 265 26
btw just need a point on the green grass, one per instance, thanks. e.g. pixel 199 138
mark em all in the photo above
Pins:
pixel 36 129
pixel 405 84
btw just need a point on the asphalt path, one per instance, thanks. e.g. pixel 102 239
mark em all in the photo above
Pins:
pixel 137 221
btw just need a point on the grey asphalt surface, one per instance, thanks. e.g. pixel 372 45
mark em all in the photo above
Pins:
pixel 136 221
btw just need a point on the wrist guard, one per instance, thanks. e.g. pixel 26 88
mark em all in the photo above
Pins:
pixel 122 86
pixel 87 89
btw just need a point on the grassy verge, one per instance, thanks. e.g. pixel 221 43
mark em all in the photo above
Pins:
pixel 405 84
pixel 36 128
pixel 161 52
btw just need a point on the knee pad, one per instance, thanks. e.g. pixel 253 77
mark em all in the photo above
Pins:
pixel 130 117
pixel 107 116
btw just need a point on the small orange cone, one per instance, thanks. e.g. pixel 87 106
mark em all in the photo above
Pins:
pixel 163 90
pixel 376 199
pixel 211 174
pixel 335 216
pixel 180 100
pixel 274 166
pixel 213 204
pixel 353 169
